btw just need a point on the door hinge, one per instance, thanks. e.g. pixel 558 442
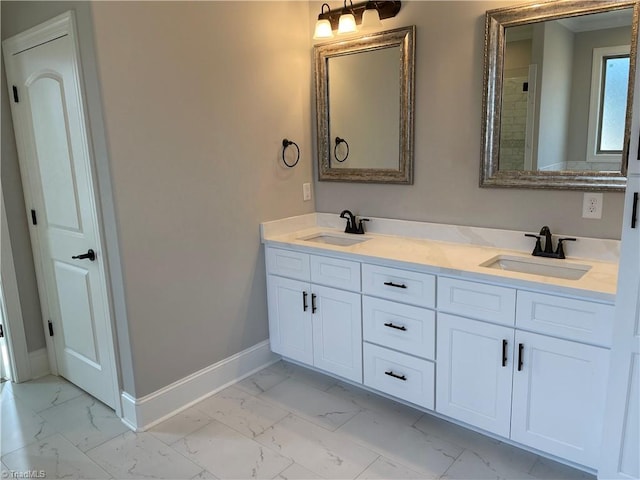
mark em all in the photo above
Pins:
pixel 1 331
pixel 34 218
pixel 50 329
pixel 15 94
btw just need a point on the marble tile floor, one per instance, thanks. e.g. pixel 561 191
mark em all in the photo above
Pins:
pixel 284 422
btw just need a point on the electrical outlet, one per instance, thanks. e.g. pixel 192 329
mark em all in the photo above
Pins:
pixel 306 191
pixel 592 205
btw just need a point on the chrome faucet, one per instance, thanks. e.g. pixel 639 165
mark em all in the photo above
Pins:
pixel 353 225
pixel 548 244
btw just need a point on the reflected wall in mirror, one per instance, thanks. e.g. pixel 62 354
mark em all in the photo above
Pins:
pixel 557 97
pixel 364 101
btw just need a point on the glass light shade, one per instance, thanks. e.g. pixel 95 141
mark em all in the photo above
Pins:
pixel 323 30
pixel 370 19
pixel 347 24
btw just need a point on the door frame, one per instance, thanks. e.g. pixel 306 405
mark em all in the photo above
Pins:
pixel 65 24
pixel 20 364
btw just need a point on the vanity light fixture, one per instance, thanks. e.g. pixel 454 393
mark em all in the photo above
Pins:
pixel 347 22
pixel 370 17
pixel 368 14
pixel 323 25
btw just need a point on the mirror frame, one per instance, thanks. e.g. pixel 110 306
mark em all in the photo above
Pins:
pixel 495 23
pixel 401 37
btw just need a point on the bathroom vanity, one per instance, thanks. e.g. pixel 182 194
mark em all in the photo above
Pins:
pixel 441 325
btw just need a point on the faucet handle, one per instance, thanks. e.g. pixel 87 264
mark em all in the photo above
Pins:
pixel 560 249
pixel 537 250
pixel 361 225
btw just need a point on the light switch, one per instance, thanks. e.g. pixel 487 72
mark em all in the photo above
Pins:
pixel 306 191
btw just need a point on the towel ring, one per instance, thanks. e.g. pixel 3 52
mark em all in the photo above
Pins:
pixel 335 149
pixel 286 143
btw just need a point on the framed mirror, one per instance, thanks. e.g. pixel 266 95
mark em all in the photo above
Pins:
pixel 558 90
pixel 364 107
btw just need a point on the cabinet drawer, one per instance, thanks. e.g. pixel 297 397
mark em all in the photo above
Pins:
pixel 579 320
pixel 399 326
pixel 288 263
pixel 335 272
pixel 402 285
pixel 400 375
pixel 477 300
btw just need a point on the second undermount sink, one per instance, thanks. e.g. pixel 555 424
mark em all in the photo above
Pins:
pixel 335 239
pixel 537 266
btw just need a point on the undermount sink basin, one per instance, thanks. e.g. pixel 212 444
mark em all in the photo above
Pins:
pixel 537 266
pixel 335 239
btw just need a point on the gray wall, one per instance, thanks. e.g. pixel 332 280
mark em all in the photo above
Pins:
pixel 197 98
pixel 195 110
pixel 449 50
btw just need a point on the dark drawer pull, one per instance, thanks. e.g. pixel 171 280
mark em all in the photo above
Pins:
pixel 520 351
pixel 397 285
pixel 504 353
pixel 395 375
pixel 391 325
pixel 634 210
pixel 304 301
pixel 313 303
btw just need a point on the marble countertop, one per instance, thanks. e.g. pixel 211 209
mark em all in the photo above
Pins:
pixel 445 257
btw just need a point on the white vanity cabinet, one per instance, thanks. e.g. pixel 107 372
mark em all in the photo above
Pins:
pixel 310 322
pixel 539 390
pixel 524 365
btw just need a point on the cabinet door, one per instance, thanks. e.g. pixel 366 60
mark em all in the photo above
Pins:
pixel 559 390
pixel 337 332
pixel 474 372
pixel 290 329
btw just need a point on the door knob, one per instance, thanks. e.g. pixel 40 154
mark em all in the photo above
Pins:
pixel 91 255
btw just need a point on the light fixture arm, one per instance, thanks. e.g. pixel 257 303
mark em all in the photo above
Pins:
pixel 386 9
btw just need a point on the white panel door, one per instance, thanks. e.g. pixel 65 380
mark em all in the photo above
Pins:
pixel 337 332
pixel 558 397
pixel 46 104
pixel 474 372
pixel 290 330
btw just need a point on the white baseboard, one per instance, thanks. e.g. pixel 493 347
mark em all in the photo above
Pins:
pixel 39 363
pixel 142 413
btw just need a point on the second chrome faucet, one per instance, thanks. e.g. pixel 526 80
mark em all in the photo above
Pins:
pixel 353 225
